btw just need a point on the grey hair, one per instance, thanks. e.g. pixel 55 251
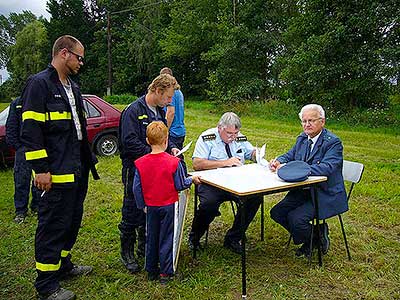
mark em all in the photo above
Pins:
pixel 230 119
pixel 315 107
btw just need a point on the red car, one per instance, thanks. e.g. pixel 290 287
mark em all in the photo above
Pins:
pixel 102 128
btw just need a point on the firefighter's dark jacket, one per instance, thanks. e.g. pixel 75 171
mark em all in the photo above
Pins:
pixel 13 125
pixel 132 130
pixel 48 131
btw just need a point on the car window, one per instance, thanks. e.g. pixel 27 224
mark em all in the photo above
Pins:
pixel 3 116
pixel 91 111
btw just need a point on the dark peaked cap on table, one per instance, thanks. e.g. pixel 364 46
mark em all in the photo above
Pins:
pixel 294 171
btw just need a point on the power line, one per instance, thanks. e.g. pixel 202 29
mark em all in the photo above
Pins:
pixel 134 8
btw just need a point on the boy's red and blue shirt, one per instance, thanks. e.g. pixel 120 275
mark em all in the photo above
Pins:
pixel 158 179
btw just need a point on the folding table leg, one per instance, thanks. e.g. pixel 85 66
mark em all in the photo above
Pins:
pixel 241 207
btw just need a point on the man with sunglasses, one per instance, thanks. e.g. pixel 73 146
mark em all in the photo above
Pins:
pixel 323 151
pixel 218 147
pixel 56 144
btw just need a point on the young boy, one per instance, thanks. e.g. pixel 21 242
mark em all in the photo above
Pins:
pixel 158 178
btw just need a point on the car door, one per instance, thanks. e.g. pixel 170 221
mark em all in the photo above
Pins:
pixel 96 119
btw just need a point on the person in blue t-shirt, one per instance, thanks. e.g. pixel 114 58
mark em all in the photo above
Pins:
pixel 175 116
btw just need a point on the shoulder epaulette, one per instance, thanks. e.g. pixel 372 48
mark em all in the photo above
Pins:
pixel 327 137
pixel 209 137
pixel 241 138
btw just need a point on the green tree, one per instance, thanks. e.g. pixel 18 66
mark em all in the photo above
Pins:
pixel 243 57
pixel 336 52
pixel 28 54
pixel 9 27
pixel 81 19
pixel 228 47
pixel 193 30
pixel 136 29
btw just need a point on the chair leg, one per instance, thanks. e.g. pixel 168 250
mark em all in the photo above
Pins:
pixel 206 241
pixel 314 221
pixel 344 237
pixel 233 208
pixel 262 221
pixel 288 242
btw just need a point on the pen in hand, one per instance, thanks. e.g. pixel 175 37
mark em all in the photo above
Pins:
pixel 272 164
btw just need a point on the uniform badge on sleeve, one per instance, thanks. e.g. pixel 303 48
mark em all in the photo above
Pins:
pixel 209 137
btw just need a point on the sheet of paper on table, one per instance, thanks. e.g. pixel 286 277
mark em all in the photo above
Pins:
pixel 260 153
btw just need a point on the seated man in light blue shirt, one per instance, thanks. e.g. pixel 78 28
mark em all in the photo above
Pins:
pixel 222 146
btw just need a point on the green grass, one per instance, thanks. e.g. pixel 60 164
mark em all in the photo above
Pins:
pixel 372 225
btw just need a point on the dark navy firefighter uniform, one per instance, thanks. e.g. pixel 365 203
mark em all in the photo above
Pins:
pixel 51 142
pixel 132 132
pixel 22 168
pixel 210 146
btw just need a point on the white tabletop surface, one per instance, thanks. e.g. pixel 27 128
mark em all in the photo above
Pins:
pixel 250 179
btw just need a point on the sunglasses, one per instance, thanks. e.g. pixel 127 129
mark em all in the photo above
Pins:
pixel 78 57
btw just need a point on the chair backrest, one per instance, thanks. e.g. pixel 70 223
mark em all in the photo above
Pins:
pixel 352 171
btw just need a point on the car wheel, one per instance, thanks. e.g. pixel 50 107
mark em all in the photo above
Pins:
pixel 107 145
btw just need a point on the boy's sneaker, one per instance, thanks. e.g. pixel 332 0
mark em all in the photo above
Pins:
pixel 19 218
pixel 60 294
pixel 165 279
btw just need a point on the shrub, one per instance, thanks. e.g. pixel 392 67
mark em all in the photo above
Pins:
pixel 120 99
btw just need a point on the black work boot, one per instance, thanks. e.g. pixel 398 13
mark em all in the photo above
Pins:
pixel 59 294
pixel 127 252
pixel 194 242
pixel 141 234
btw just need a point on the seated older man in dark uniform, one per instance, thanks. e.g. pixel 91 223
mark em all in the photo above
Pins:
pixel 221 146
pixel 323 151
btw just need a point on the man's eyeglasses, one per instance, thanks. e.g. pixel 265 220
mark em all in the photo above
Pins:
pixel 231 133
pixel 78 57
pixel 311 121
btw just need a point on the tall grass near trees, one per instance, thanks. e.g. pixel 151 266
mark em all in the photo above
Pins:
pixel 372 225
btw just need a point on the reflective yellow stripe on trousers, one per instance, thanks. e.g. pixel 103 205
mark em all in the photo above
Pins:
pixel 48 267
pixel 64 253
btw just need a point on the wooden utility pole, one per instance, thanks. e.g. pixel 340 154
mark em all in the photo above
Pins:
pixel 109 87
pixel 234 12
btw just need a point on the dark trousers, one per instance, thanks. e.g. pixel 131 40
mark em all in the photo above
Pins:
pixel 159 239
pixel 178 141
pixel 210 200
pixel 22 184
pixel 59 219
pixel 132 217
pixel 294 213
